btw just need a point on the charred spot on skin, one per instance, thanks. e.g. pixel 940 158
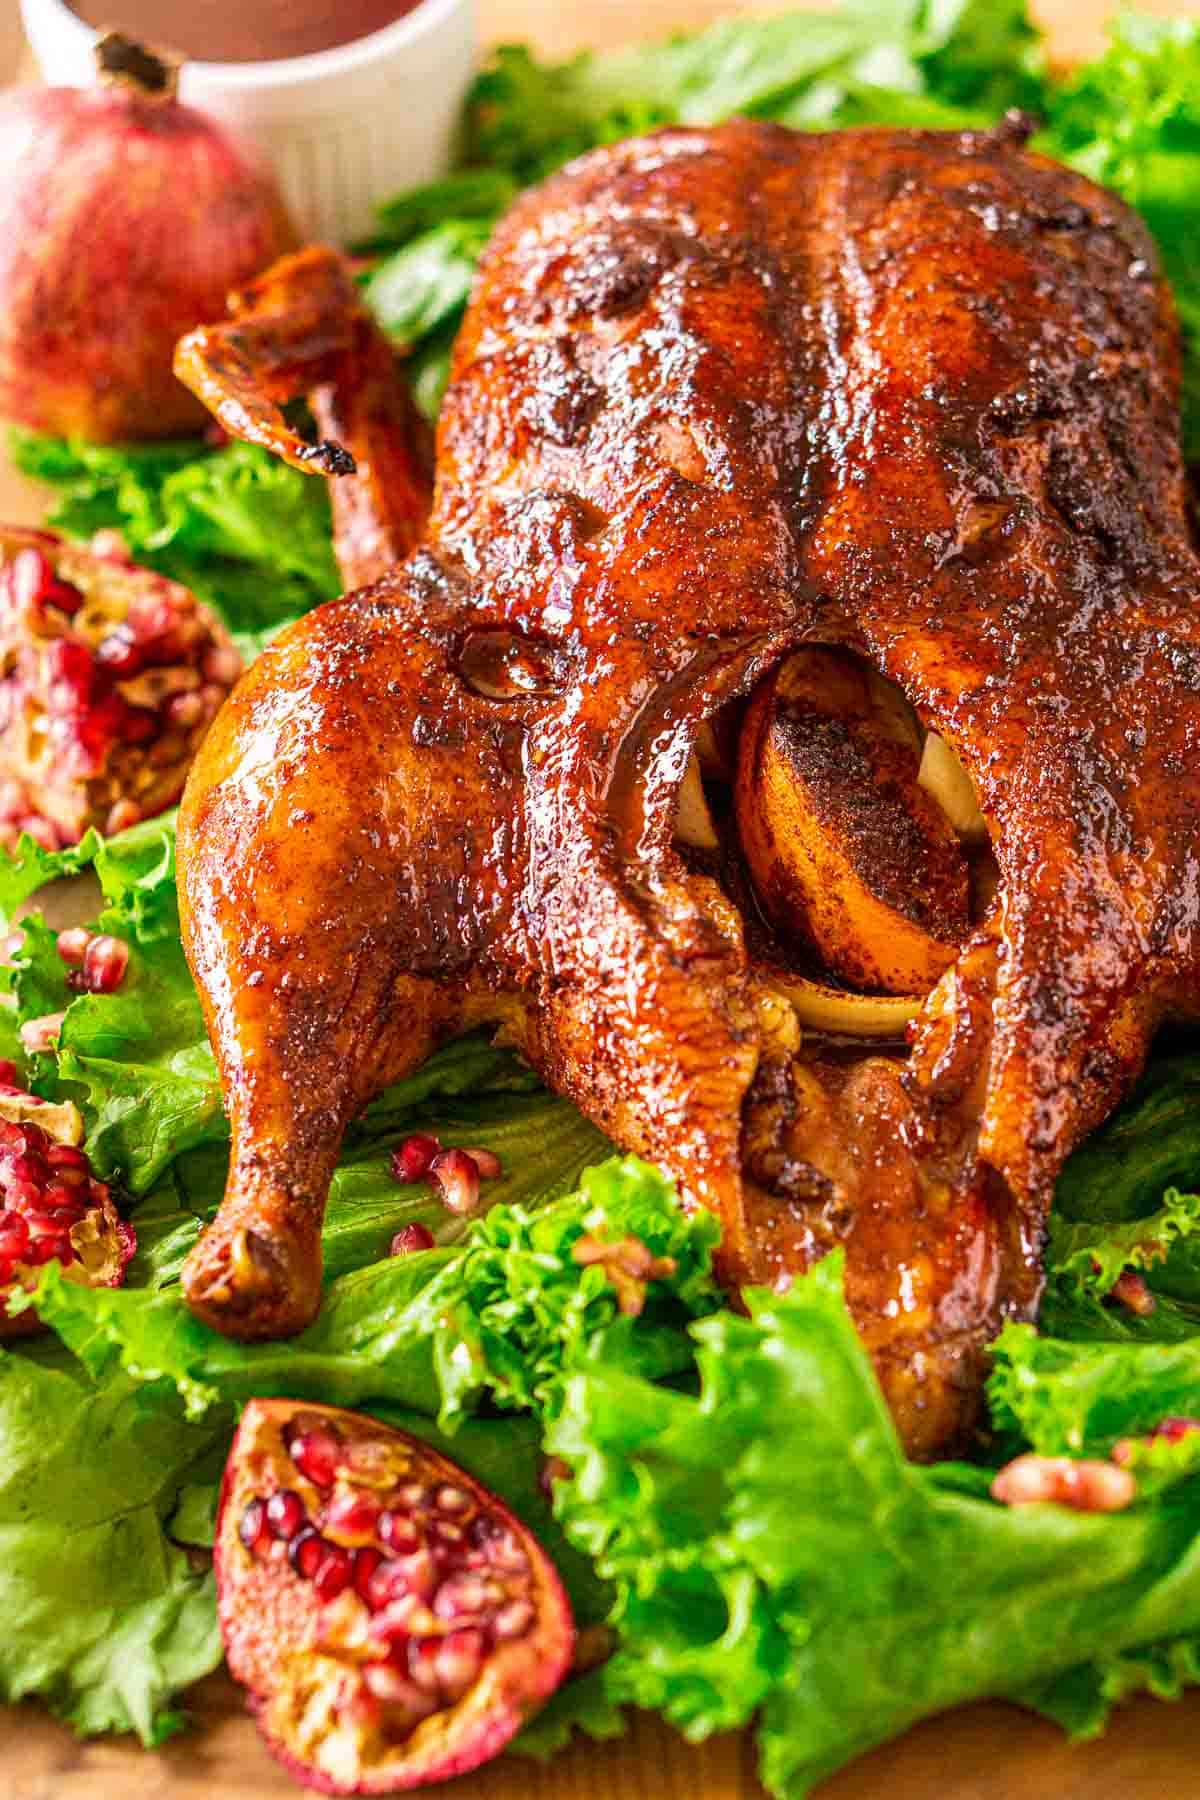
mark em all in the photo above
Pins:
pixel 562 399
pixel 614 272
pixel 329 458
pixel 1015 129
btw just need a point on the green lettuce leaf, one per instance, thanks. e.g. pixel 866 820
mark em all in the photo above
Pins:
pixel 1085 1257
pixel 581 1705
pixel 1068 1398
pixel 104 1617
pixel 773 1551
pixel 500 1316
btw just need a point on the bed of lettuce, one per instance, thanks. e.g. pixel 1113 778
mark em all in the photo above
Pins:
pixel 739 1511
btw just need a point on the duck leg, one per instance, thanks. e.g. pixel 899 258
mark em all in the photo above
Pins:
pixel 327 852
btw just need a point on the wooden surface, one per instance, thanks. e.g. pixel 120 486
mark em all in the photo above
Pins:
pixel 978 1753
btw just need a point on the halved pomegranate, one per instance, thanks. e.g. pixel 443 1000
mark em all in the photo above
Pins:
pixel 110 675
pixel 394 1623
pixel 52 1208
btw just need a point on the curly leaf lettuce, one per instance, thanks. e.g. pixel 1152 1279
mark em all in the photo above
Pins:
pixel 500 1316
pixel 773 1551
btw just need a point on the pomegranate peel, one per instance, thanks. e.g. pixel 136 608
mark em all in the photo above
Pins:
pixel 410 1669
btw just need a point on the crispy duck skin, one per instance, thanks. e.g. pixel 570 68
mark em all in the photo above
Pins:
pixel 720 394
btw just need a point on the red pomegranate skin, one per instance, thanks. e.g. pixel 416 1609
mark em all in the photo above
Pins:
pixel 124 222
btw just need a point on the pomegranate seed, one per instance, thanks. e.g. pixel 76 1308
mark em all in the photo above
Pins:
pixel 306 1552
pixel 41 1034
pixel 67 1161
pixel 412 1238
pixel 137 725
pixel 185 710
pixel 223 665
pixel 334 1574
pixel 64 596
pixel 397 1533
pixel 34 1140
pixel 422 1664
pixel 1085 1486
pixel 1130 1290
pixel 317 1454
pixel 352 1517
pixel 54 1248
pixel 285 1513
pixel 402 1576
pixel 105 961
pixel 387 1683
pixel 505 1553
pixel 401 1619
pixel 119 652
pixel 458 1178
pixel 465 1596
pixel 1169 1430
pixel 1175 1427
pixel 71 674
pixel 111 544
pixel 124 814
pixel 14 1237
pixel 72 944
pixel 366 1561
pixel 487 1162
pixel 28 576
pixel 62 1218
pixel 512 1621
pixel 458 1661
pixel 252 1528
pixel 452 1500
pixel 411 1159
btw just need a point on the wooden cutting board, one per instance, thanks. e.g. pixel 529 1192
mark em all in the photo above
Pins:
pixel 977 1753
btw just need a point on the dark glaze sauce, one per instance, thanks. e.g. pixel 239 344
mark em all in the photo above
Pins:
pixel 255 31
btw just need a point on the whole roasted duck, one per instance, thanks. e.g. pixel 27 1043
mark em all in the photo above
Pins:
pixel 804 641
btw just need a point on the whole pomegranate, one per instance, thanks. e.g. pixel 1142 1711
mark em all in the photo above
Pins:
pixel 394 1623
pixel 52 1208
pixel 125 218
pixel 110 675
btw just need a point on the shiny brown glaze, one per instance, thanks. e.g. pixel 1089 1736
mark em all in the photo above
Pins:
pixel 720 393
pixel 300 328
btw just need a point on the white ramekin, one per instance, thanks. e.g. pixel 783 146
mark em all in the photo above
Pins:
pixel 342 129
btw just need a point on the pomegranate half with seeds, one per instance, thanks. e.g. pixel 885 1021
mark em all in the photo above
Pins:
pixel 394 1623
pixel 110 675
pixel 52 1208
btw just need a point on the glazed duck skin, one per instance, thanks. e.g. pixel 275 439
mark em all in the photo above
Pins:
pixel 721 394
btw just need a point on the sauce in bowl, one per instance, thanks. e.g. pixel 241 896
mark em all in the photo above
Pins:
pixel 248 30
